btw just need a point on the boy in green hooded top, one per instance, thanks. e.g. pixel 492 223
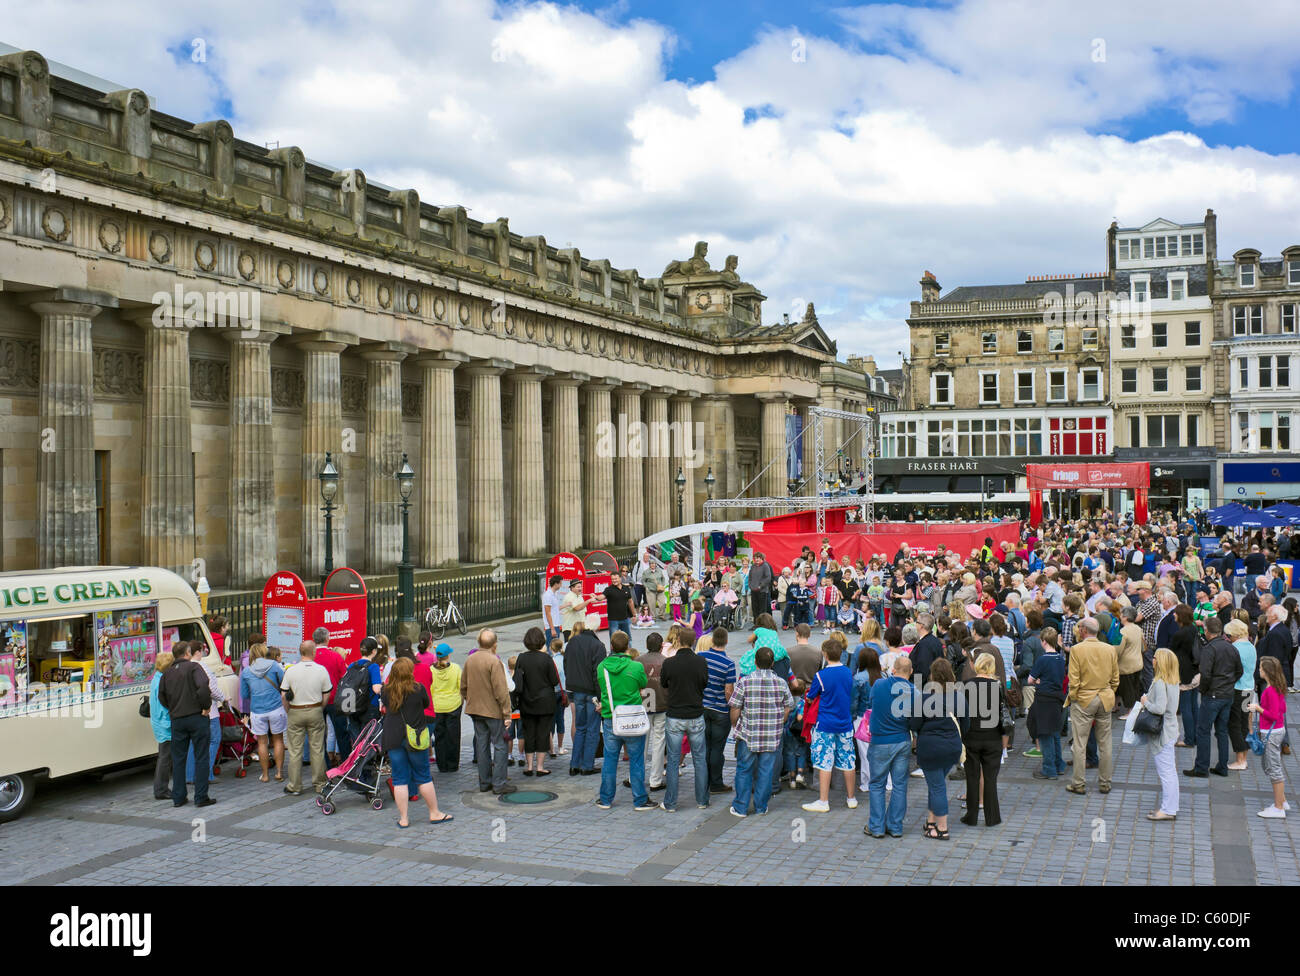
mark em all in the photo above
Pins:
pixel 619 681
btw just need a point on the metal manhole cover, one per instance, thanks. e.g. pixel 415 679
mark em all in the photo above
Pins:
pixel 529 796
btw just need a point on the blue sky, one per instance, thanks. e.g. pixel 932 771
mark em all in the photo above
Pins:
pixel 985 140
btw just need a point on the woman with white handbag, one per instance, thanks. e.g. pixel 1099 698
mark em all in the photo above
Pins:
pixel 619 683
pixel 1161 703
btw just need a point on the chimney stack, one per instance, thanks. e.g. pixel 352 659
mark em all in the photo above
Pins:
pixel 929 287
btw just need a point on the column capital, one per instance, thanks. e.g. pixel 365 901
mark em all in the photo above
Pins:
pixel 637 388
pixel 324 341
pixel 69 301
pixel 538 373
pixel 569 379
pixel 603 383
pixel 772 397
pixel 385 352
pixel 488 367
pixel 439 360
pixel 250 336
pixel 663 391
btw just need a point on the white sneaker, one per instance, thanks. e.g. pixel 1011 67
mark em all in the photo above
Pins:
pixel 821 806
pixel 1286 805
pixel 917 772
pixel 1269 813
pixel 851 803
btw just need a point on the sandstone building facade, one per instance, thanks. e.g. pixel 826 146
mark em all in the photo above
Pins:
pixel 189 322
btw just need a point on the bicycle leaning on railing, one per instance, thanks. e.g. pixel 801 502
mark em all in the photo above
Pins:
pixel 436 619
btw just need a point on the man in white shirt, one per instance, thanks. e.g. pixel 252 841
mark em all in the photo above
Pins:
pixel 1096 593
pixel 305 687
pixel 552 622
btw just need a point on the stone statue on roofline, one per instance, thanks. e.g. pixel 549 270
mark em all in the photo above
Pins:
pixel 696 264
pixel 729 268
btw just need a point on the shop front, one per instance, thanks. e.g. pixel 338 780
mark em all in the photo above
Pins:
pixel 1261 483
pixel 939 489
pixel 1176 486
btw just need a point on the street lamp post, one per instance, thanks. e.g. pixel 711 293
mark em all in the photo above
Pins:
pixel 405 571
pixel 329 489
pixel 680 481
pixel 709 482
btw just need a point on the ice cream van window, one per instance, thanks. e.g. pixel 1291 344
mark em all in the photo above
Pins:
pixel 56 660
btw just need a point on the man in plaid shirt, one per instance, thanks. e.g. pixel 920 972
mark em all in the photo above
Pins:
pixel 1072 605
pixel 759 707
pixel 1149 613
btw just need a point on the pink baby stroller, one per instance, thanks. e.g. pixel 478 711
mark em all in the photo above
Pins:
pixel 362 771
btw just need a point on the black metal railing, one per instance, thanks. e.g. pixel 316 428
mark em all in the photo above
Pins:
pixel 484 595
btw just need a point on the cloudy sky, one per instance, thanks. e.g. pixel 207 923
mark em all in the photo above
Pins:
pixel 838 150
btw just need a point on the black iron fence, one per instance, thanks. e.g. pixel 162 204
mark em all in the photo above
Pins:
pixel 483 595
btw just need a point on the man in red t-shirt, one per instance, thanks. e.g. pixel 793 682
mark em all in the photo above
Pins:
pixel 332 661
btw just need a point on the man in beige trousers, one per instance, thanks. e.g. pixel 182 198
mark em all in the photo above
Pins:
pixel 1094 677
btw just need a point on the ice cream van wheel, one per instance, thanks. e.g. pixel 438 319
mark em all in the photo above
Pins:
pixel 16 792
pixel 327 808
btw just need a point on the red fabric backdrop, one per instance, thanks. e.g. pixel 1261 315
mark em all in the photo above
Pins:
pixel 782 548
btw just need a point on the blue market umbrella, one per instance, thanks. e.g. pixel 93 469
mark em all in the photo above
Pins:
pixel 1285 511
pixel 1221 514
pixel 1249 519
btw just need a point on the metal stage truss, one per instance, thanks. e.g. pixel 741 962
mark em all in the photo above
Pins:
pixel 822 497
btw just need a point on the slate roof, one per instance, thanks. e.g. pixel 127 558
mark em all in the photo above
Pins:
pixel 1197 284
pixel 1024 289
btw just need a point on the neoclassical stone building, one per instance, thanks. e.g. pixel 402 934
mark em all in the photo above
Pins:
pixel 189 322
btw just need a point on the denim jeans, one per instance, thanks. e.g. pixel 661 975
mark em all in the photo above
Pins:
pixel 623 625
pixel 717 727
pixel 1212 716
pixel 796 754
pixel 692 729
pixel 886 760
pixel 636 762
pixel 214 743
pixel 1053 764
pixel 586 728
pixel 754 773
pixel 344 736
pixel 936 782
pixel 1188 706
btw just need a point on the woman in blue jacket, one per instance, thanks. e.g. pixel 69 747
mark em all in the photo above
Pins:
pixel 161 721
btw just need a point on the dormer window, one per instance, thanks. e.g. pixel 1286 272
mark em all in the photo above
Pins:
pixel 1177 287
pixel 1140 290
pixel 1246 275
pixel 1293 272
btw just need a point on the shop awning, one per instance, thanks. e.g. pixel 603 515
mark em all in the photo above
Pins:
pixel 918 483
pixel 968 483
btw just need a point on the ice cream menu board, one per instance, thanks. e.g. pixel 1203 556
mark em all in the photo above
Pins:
pixel 13 662
pixel 127 643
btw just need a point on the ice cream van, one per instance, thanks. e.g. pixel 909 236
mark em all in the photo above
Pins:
pixel 77 653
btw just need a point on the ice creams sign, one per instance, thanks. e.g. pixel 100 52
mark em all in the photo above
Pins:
pixel 67 594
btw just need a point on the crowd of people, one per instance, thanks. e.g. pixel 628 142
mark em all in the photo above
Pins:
pixel 927 662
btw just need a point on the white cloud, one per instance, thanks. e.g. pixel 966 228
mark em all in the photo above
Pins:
pixel 958 138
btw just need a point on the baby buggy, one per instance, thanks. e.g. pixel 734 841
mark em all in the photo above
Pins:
pixel 237 742
pixel 362 771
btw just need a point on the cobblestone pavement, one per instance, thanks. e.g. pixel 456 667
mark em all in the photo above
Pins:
pixel 113 832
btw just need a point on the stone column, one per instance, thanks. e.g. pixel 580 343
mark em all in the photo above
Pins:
pixel 598 503
pixel 250 518
pixel 487 521
pixel 772 459
pixel 565 521
pixel 322 430
pixel 719 453
pixel 437 497
pixel 629 467
pixel 659 472
pixel 831 432
pixel 686 457
pixel 167 480
pixel 383 455
pixel 66 529
pixel 528 502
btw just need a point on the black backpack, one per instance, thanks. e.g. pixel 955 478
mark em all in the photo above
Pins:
pixel 354 689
